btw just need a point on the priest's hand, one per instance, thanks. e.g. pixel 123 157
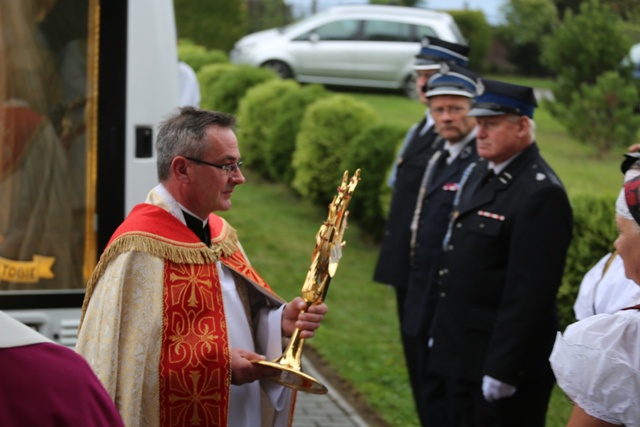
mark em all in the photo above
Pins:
pixel 244 371
pixel 308 322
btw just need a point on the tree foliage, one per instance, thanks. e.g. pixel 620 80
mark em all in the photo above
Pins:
pixel 583 47
pixel 595 107
pixel 265 14
pixel 527 22
pixel 475 28
pixel 604 114
pixel 215 24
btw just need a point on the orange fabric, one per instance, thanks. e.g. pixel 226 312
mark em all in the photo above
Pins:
pixel 151 219
pixel 17 126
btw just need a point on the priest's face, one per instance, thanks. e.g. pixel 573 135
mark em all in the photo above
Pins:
pixel 212 186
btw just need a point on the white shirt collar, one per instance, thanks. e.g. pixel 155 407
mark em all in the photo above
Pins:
pixel 456 149
pixel 160 196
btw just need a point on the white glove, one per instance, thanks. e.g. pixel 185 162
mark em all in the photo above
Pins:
pixel 492 389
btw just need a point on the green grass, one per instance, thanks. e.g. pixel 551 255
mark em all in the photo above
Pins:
pixel 541 83
pixel 359 338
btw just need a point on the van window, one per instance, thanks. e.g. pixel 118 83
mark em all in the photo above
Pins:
pixel 422 31
pixel 338 30
pixel 386 31
pixel 45 172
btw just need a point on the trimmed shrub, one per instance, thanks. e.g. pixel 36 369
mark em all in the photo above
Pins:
pixel 257 113
pixel 372 151
pixel 594 232
pixel 329 126
pixel 198 56
pixel 225 94
pixel 208 76
pixel 475 28
pixel 281 142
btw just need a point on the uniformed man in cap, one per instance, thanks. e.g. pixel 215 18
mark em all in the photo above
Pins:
pixel 433 52
pixel 449 94
pixel 505 252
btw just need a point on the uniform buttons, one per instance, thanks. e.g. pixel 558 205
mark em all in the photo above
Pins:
pixel 459 225
pixel 450 247
pixel 481 225
pixel 443 294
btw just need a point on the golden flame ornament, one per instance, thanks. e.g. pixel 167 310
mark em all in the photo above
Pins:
pixel 324 263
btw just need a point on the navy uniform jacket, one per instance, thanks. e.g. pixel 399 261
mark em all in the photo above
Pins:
pixel 501 272
pixel 393 262
pixel 422 291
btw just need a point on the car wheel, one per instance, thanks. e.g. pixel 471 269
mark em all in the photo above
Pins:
pixel 280 68
pixel 409 87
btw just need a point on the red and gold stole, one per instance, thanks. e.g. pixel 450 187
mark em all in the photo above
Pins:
pixel 195 364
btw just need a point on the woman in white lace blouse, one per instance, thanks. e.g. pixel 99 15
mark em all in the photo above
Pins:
pixel 597 360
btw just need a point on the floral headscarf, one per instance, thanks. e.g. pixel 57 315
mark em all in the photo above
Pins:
pixel 628 203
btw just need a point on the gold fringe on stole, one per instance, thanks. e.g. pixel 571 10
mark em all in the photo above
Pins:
pixel 226 244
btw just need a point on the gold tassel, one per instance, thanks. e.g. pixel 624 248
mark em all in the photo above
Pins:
pixel 226 244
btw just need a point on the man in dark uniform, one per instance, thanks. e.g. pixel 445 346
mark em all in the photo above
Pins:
pixel 449 94
pixel 505 252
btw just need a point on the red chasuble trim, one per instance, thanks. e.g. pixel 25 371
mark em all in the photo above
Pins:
pixel 195 361
pixel 195 364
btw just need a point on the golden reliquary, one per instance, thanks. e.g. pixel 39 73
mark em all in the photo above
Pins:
pixel 324 263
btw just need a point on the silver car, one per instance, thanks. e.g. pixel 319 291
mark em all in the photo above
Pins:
pixel 367 45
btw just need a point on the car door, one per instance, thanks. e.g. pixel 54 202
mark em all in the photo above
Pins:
pixel 325 53
pixel 387 49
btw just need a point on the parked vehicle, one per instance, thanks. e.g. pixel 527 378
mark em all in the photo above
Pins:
pixel 634 59
pixel 366 45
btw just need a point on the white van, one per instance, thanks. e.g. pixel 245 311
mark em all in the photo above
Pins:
pixel 366 45
pixel 106 74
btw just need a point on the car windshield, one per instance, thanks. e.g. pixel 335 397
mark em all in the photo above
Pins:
pixel 294 25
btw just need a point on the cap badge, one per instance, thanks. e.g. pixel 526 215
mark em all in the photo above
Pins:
pixel 479 87
pixel 540 176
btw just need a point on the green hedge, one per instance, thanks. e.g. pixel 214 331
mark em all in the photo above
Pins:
pixel 281 143
pixel 329 126
pixel 208 76
pixel 594 232
pixel 198 56
pixel 372 151
pixel 230 87
pixel 257 112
